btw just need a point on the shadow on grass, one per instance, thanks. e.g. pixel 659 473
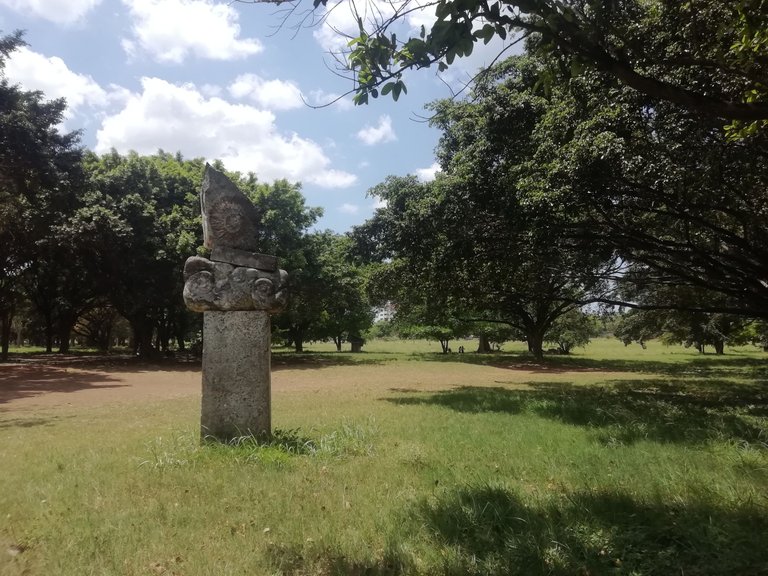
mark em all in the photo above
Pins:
pixel 311 360
pixel 31 422
pixel 732 365
pixel 287 559
pixel 491 531
pixel 27 381
pixel 627 411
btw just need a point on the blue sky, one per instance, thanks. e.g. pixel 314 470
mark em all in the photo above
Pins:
pixel 224 80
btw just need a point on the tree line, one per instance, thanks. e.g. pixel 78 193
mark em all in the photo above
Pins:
pixel 583 191
pixel 89 241
pixel 561 186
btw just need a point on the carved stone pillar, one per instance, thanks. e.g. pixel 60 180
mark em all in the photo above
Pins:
pixel 237 290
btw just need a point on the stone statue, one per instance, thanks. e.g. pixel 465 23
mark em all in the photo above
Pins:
pixel 236 277
pixel 237 290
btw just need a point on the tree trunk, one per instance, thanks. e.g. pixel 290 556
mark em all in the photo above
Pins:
pixel 444 345
pixel 535 340
pixel 483 345
pixel 48 333
pixel 5 333
pixel 297 336
pixel 64 329
pixel 719 347
pixel 338 340
pixel 64 334
pixel 142 331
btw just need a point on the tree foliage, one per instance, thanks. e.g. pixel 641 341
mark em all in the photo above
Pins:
pixel 328 298
pixel 468 247
pixel 708 56
pixel 572 330
pixel 40 182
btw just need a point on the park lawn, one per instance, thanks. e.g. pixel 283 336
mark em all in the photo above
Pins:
pixel 401 461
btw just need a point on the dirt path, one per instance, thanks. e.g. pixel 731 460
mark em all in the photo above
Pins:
pixel 42 384
pixel 53 382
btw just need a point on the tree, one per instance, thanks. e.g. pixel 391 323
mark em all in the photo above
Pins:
pixel 469 246
pixel 708 56
pixel 676 323
pixel 347 312
pixel 98 326
pixel 327 294
pixel 669 192
pixel 39 186
pixel 571 330
pixel 142 219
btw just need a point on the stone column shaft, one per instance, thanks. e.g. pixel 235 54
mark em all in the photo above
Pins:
pixel 236 375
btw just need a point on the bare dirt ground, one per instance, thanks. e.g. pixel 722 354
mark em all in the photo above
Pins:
pixel 70 381
pixel 55 381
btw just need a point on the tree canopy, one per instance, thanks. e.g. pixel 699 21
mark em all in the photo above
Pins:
pixel 40 178
pixel 709 56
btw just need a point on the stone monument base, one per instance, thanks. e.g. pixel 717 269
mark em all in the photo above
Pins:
pixel 236 375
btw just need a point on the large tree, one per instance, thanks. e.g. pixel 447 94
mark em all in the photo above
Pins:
pixel 677 200
pixel 39 186
pixel 667 192
pixel 142 220
pixel 477 249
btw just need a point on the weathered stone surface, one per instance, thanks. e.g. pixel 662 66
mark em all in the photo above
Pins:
pixel 243 258
pixel 237 290
pixel 229 218
pixel 220 286
pixel 236 375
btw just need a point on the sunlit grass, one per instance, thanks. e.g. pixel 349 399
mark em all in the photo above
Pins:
pixel 614 461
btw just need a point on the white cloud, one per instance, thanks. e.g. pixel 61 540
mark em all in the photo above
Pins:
pixel 379 203
pixel 51 75
pixel 428 174
pixel 270 94
pixel 170 30
pixel 58 11
pixel 323 98
pixel 179 117
pixel 211 90
pixel 371 135
pixel 349 208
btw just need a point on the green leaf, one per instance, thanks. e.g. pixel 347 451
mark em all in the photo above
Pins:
pixel 396 91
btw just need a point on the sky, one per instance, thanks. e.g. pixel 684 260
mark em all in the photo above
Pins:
pixel 234 81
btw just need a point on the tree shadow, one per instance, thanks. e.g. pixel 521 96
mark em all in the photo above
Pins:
pixel 31 422
pixel 312 360
pixel 626 411
pixel 492 531
pixel 293 560
pixel 26 381
pixel 732 365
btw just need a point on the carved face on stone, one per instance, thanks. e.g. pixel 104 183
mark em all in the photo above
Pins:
pixel 230 219
pixel 229 225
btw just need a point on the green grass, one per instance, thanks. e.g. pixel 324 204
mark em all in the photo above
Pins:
pixel 613 461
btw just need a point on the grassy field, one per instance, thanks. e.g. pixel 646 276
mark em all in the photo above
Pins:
pixel 403 461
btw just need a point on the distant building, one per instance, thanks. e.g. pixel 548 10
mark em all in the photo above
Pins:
pixel 384 313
